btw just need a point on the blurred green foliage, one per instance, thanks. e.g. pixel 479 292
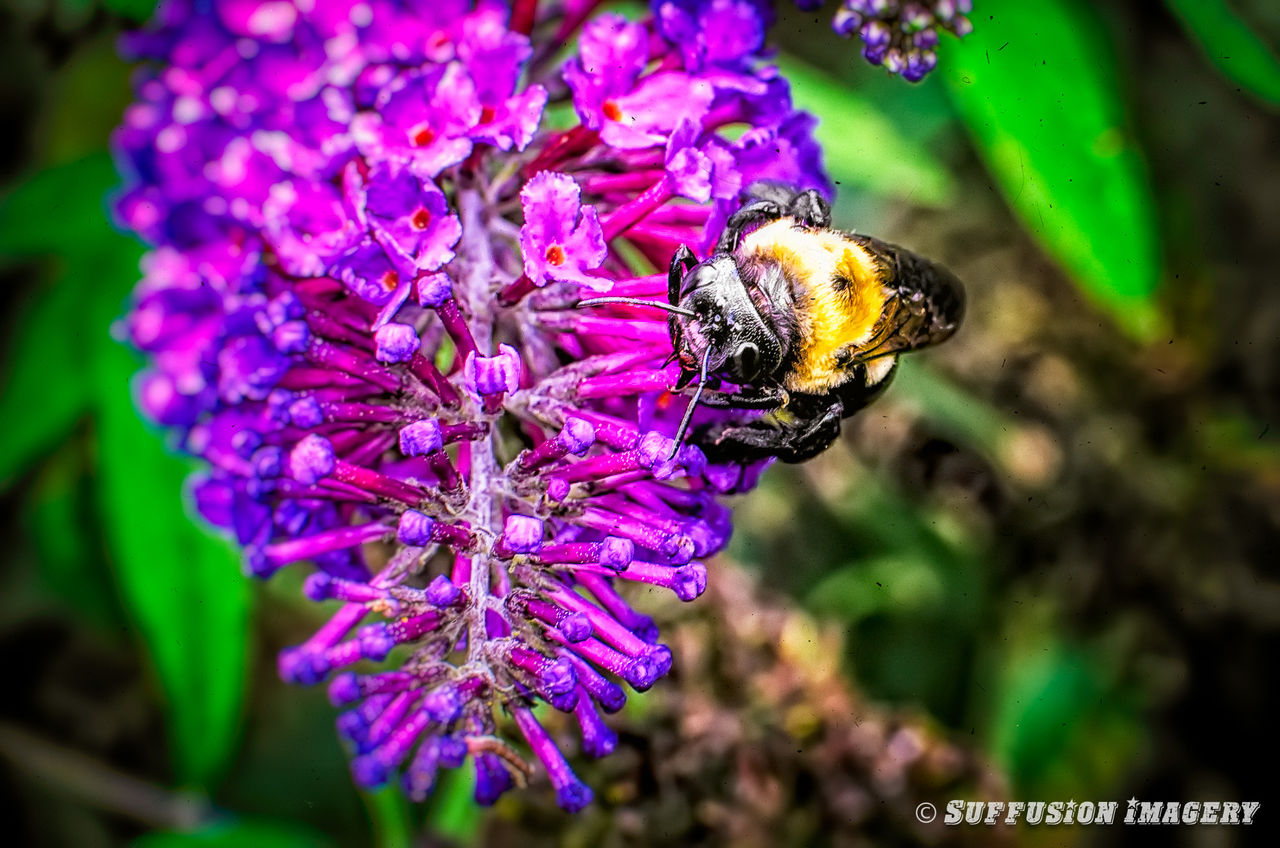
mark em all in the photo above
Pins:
pixel 1231 44
pixel 132 10
pixel 53 215
pixel 181 585
pixel 389 813
pixel 1039 90
pixel 1062 727
pixel 452 813
pixel 863 148
pixel 61 496
pixel 912 579
pixel 232 834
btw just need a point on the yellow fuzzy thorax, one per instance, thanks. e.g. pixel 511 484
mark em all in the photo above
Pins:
pixel 830 317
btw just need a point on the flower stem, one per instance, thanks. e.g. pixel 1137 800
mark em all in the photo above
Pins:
pixel 483 510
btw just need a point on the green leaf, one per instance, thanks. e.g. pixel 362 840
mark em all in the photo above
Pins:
pixel 259 833
pixel 1231 45
pixel 60 210
pixel 58 515
pixel 1037 87
pixel 181 584
pixel 862 146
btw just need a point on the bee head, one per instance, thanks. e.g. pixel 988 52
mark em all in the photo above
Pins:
pixel 726 328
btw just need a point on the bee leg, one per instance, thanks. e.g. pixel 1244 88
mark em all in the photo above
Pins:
pixel 810 437
pixel 747 443
pixel 859 393
pixel 759 212
pixel 810 209
pixel 791 443
pixel 682 262
pixel 807 207
pixel 767 401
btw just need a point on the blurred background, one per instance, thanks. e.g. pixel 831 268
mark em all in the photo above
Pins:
pixel 1043 567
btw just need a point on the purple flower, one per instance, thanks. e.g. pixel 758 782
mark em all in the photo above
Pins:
pixel 610 94
pixel 713 32
pixel 358 313
pixel 423 119
pixel 369 272
pixel 270 21
pixel 700 172
pixel 308 225
pixel 396 342
pixel 612 53
pixel 512 123
pixel 645 116
pixel 410 218
pixel 561 239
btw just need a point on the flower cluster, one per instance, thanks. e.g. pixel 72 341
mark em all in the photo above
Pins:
pixel 900 35
pixel 371 223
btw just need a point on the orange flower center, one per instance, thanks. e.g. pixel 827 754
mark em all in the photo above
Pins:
pixel 611 110
pixel 422 137
pixel 420 218
pixel 389 280
pixel 555 255
pixel 486 114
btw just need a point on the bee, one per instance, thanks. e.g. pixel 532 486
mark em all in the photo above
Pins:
pixel 804 321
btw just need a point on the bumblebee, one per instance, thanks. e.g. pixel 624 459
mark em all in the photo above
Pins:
pixel 805 322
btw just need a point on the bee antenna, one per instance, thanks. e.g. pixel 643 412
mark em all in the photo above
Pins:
pixel 636 301
pixel 693 404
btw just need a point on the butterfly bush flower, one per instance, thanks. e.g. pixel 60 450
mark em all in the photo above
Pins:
pixel 899 35
pixel 369 236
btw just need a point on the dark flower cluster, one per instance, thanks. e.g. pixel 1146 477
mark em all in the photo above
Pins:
pixel 371 222
pixel 900 35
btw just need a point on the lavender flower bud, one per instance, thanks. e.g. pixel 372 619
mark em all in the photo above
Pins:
pixel 415 528
pixel 421 437
pixel 901 36
pixel 396 342
pixel 441 592
pixel 521 535
pixel 311 458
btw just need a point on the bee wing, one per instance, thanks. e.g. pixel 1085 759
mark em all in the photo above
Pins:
pixel 925 306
